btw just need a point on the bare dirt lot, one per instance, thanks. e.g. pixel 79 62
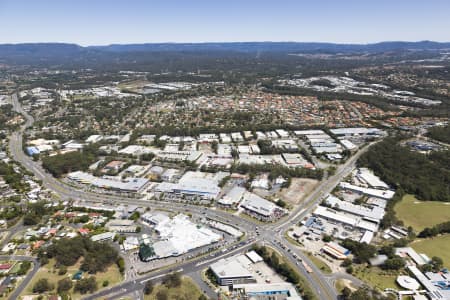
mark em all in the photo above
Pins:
pixel 300 187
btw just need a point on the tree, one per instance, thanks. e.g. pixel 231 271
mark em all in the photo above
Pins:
pixel 202 297
pixel 346 292
pixel 62 270
pixel 86 285
pixel 394 263
pixel 64 285
pixel 42 286
pixel 437 263
pixel 327 238
pixel 162 295
pixel 24 267
pixel 172 280
pixel 346 262
pixel 148 288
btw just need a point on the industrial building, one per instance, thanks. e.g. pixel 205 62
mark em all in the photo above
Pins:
pixel 357 131
pixel 367 177
pixel 346 219
pixel 373 213
pixel 383 194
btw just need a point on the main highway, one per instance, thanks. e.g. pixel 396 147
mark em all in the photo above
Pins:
pixel 269 234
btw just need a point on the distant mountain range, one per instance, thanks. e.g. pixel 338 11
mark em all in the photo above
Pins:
pixel 60 48
pixel 63 53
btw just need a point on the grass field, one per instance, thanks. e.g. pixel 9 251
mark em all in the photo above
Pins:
pixel 319 263
pixel 49 271
pixel 421 214
pixel 376 277
pixel 437 246
pixel 187 290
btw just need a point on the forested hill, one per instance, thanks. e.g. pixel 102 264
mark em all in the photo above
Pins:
pixel 426 176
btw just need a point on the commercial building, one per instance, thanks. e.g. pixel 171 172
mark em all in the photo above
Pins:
pixel 176 156
pixel 32 151
pixel 131 185
pixel 235 270
pixel 279 291
pixel 178 236
pixel 261 208
pixel 103 237
pixel 232 197
pixel 121 226
pixel 192 184
pixel 336 251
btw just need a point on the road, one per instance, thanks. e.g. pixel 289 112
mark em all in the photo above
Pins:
pixel 270 234
pixel 18 290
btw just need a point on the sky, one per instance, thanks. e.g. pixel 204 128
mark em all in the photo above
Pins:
pixel 102 22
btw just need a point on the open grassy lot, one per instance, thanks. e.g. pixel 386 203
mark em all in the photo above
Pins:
pixel 49 271
pixel 436 246
pixel 319 263
pixel 187 290
pixel 299 189
pixel 421 214
pixel 376 277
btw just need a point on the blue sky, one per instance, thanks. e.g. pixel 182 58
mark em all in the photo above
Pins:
pixel 99 22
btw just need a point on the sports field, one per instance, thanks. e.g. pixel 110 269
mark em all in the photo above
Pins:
pixel 436 246
pixel 421 214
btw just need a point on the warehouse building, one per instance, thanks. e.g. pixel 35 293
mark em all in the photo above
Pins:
pixel 346 219
pixel 373 213
pixel 383 194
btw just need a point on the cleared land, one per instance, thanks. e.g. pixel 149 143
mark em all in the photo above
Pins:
pixel 187 290
pixel 299 188
pixel 49 271
pixel 421 214
pixel 437 246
